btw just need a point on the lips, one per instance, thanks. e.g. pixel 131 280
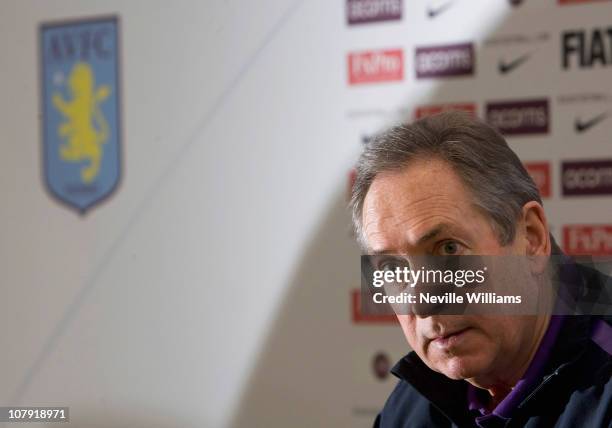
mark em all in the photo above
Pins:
pixel 450 339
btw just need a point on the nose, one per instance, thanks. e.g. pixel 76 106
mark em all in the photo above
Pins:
pixel 432 301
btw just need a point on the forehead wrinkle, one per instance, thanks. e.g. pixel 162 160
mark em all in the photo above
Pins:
pixel 437 202
pixel 434 197
pixel 445 211
pixel 411 236
pixel 439 219
pixel 387 212
pixel 374 227
pixel 427 212
pixel 387 223
pixel 375 219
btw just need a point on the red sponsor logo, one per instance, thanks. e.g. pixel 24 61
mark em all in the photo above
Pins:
pixel 592 239
pixel 375 66
pixel 361 318
pixel 540 173
pixel 424 111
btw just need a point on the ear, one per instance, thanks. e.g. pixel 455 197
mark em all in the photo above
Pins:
pixel 536 230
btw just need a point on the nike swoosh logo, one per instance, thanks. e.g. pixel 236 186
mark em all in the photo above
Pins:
pixel 507 67
pixel 584 126
pixel 433 12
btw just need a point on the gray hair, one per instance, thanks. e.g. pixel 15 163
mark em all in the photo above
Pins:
pixel 479 155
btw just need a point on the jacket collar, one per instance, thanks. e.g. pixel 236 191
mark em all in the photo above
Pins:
pixel 450 396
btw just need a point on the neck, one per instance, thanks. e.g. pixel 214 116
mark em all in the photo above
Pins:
pixel 499 386
pixel 497 394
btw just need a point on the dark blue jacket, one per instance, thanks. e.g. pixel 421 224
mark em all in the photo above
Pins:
pixel 575 390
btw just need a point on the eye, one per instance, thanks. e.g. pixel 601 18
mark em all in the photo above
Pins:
pixel 449 248
pixel 391 264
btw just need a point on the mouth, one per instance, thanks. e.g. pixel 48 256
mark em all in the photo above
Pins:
pixel 451 339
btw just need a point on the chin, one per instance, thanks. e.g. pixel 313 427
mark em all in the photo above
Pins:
pixel 462 367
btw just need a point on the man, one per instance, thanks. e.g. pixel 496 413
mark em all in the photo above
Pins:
pixel 450 185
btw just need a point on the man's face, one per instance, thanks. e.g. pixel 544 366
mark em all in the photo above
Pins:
pixel 426 209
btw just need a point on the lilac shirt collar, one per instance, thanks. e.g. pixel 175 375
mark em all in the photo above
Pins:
pixel 508 405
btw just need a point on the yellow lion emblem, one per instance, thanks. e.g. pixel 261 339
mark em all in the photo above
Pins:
pixel 86 128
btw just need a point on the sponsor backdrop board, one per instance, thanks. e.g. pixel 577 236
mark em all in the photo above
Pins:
pixel 148 148
pixel 540 72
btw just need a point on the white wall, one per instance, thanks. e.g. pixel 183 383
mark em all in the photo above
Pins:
pixel 213 288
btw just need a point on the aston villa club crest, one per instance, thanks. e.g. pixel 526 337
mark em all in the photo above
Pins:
pixel 81 121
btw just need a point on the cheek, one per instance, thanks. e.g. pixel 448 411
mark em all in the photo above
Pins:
pixel 495 341
pixel 408 324
pixel 511 332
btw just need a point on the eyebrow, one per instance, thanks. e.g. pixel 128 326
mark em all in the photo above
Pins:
pixel 431 234
pixel 435 231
